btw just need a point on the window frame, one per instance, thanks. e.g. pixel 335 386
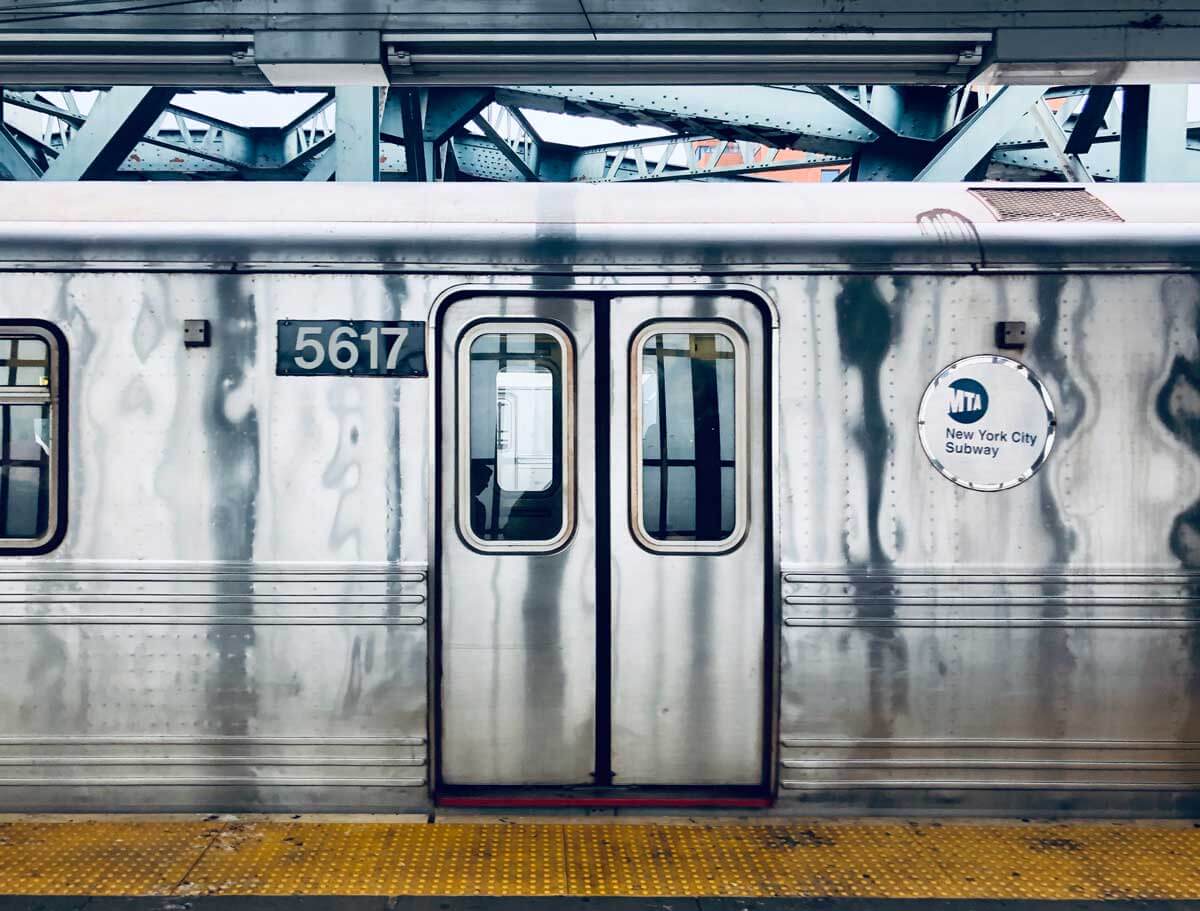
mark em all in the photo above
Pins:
pixel 462 401
pixel 741 441
pixel 56 398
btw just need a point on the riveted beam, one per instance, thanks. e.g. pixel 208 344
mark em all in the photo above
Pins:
pixel 860 112
pixel 1090 119
pixel 1072 166
pixel 972 143
pixel 514 158
pixel 14 157
pixel 116 123
pixel 789 117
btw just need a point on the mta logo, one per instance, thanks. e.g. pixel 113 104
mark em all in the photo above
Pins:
pixel 968 400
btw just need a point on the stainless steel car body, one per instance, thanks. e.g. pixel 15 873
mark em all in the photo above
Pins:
pixel 248 610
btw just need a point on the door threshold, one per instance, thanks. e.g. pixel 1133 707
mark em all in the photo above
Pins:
pixel 650 798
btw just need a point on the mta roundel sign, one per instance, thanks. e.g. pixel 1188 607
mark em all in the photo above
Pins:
pixel 986 422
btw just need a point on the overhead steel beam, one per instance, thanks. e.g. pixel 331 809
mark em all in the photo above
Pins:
pixel 1090 119
pixel 15 159
pixel 479 158
pixel 423 120
pixel 515 159
pixel 186 143
pixel 116 123
pixel 222 142
pixel 308 135
pixel 703 157
pixel 778 116
pixel 323 168
pixel 972 144
pixel 860 112
pixel 891 160
pixel 448 110
pixel 1056 142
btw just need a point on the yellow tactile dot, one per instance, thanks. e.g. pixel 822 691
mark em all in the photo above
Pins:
pixel 98 858
pixel 819 858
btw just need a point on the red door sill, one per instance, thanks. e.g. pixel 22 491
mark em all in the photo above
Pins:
pixel 464 800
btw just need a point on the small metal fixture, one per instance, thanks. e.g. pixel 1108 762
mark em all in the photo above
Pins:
pixel 196 333
pixel 1010 334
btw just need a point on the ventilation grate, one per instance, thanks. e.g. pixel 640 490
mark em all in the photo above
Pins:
pixel 1044 205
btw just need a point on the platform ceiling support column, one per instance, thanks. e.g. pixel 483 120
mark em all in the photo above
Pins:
pixel 971 144
pixel 356 133
pixel 1154 133
pixel 116 123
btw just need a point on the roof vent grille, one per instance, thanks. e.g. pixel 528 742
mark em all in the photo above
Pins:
pixel 1044 205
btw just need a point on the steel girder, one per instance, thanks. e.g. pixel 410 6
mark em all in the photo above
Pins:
pixel 874 133
pixel 117 123
pixel 779 116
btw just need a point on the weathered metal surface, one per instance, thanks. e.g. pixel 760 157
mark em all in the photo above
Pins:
pixel 518 629
pixel 238 613
pixel 1040 638
pixel 688 666
pixel 239 601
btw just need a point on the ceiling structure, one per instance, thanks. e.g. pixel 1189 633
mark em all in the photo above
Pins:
pixel 255 43
pixel 738 89
pixel 763 132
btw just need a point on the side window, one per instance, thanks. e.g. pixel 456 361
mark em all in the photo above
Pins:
pixel 515 426
pixel 29 436
pixel 688 435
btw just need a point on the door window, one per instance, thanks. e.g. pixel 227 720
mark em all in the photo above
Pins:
pixel 515 425
pixel 688 432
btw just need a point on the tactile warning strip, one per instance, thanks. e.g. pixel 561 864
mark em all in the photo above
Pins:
pixel 865 859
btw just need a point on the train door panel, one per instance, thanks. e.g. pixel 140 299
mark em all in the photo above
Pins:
pixel 674 620
pixel 688 583
pixel 517 544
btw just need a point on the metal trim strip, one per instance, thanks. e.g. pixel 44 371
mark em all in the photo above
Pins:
pixel 225 781
pixel 210 620
pixel 885 784
pixel 997 623
pixel 943 743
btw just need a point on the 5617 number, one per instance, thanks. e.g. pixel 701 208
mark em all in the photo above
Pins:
pixel 350 347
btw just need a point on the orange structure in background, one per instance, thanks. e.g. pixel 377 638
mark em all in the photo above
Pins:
pixel 732 157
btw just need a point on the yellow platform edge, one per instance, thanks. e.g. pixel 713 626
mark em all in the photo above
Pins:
pixel 404 855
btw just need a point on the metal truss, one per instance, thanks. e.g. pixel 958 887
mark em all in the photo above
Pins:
pixel 755 133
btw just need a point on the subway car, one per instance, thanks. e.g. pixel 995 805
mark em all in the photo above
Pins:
pixel 749 499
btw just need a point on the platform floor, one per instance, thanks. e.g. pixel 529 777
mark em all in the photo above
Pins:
pixel 696 863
